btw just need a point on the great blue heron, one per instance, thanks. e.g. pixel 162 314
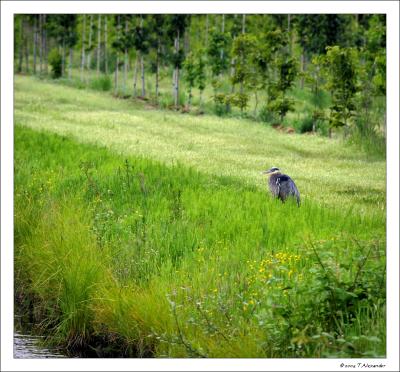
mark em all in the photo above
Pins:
pixel 281 185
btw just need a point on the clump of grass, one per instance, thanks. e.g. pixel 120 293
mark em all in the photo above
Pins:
pixel 102 83
pixel 368 138
pixel 62 269
pixel 167 261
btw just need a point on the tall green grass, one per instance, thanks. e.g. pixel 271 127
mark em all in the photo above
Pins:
pixel 147 259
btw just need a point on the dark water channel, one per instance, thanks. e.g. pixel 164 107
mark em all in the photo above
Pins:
pixel 28 346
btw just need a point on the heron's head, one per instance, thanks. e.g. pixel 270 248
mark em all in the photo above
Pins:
pixel 271 171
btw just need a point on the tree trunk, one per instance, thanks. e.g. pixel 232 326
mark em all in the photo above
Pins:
pixel 125 68
pixel 20 50
pixel 63 58
pixel 105 45
pixel 116 75
pixel 83 47
pixel 201 99
pixel 228 105
pixel 243 31
pixel 40 36
pixel 222 30
pixel 302 68
pixel 125 57
pixel 71 51
pixel 142 70
pixel 176 87
pixel 135 73
pixel 232 62
pixel 256 104
pixel 98 45
pixel 142 63
pixel 44 42
pixel 89 57
pixel 117 61
pixel 157 67
pixel 26 52
pixel 173 82
pixel 35 42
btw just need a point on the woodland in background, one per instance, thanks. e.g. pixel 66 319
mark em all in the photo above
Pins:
pixel 317 73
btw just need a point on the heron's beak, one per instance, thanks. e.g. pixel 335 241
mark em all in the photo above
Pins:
pixel 266 171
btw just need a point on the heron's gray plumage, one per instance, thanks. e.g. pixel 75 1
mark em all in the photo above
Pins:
pixel 282 186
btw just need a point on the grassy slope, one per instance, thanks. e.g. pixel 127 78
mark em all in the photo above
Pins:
pixel 190 264
pixel 325 170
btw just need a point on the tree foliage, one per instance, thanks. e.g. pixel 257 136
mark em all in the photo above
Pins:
pixel 246 60
pixel 55 63
pixel 341 73
pixel 218 41
pixel 317 31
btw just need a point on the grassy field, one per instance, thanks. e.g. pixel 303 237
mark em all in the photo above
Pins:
pixel 325 170
pixel 150 233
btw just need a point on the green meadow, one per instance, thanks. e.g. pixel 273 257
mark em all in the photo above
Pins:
pixel 150 233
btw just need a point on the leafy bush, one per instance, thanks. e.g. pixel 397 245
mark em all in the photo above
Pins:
pixel 281 105
pixel 221 103
pixel 55 63
pixel 238 99
pixel 342 70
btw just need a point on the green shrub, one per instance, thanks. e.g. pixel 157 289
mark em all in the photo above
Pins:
pixel 221 104
pixel 220 109
pixel 281 105
pixel 102 83
pixel 55 63
pixel 305 124
pixel 265 115
pixel 312 122
pixel 239 100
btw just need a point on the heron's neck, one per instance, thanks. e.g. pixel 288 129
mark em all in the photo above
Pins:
pixel 276 174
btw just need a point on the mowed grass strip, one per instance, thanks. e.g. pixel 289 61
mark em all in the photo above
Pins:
pixel 326 170
pixel 146 259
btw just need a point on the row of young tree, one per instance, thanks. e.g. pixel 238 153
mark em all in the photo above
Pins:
pixel 242 57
